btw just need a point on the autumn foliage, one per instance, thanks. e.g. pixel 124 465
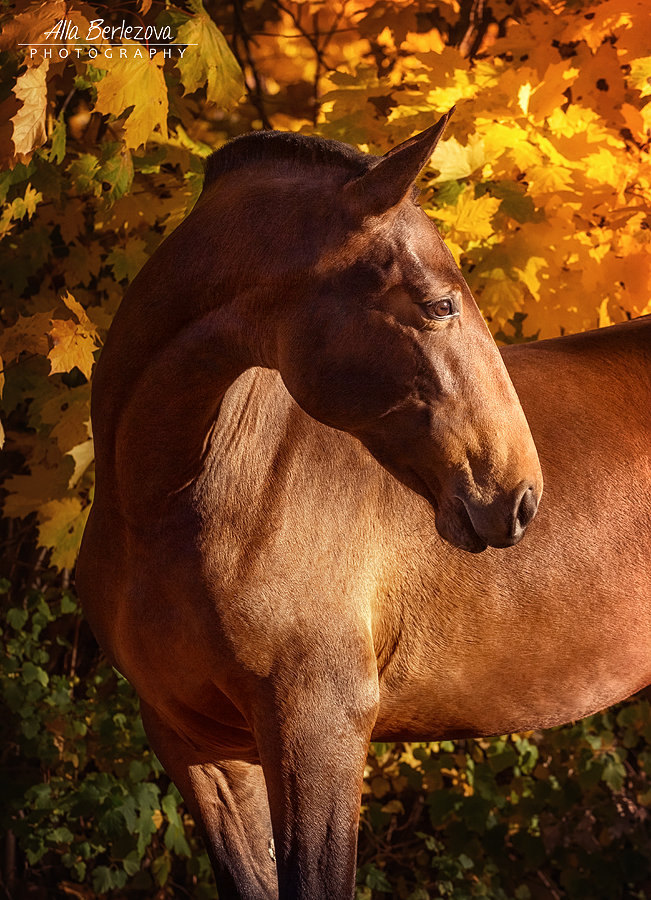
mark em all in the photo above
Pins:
pixel 541 189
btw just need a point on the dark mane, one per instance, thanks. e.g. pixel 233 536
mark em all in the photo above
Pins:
pixel 272 146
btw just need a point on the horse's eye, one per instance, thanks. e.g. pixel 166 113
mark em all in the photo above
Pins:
pixel 439 309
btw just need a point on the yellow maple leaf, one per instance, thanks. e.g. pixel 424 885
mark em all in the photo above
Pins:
pixel 72 346
pixel 634 120
pixel 76 307
pixel 140 83
pixel 640 75
pixel 72 343
pixel 510 142
pixel 605 168
pixel 29 122
pixel 470 219
pixel 423 42
pixel 208 60
pixel 550 93
pixel 23 28
pixel 453 160
pixel 548 179
pixel 73 222
pixel 604 316
pixel 61 525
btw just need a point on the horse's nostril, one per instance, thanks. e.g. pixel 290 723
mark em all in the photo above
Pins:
pixel 504 522
pixel 526 510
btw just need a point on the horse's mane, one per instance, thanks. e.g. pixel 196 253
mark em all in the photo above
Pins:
pixel 275 146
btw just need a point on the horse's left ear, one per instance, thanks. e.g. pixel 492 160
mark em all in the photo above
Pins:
pixel 386 183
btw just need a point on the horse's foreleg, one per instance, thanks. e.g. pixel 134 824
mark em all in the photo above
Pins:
pixel 228 800
pixel 313 741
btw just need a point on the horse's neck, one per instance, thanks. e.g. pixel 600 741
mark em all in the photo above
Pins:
pixel 176 345
pixel 156 399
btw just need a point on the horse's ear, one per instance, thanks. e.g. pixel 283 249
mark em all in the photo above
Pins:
pixel 386 183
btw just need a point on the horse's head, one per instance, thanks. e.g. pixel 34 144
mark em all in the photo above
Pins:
pixel 375 332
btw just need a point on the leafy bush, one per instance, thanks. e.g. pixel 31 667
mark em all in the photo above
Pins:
pixel 82 792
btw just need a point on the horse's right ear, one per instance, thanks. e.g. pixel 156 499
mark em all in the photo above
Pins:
pixel 386 183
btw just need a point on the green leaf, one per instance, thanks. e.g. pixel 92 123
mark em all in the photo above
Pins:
pixel 131 863
pixel 127 263
pixel 17 617
pixel 112 823
pixel 105 879
pixel 128 811
pixel 32 673
pixel 176 841
pixel 614 773
pixel 116 171
pixel 448 193
pixel 377 880
pixel 161 867
pixel 32 726
pixel 516 203
pixel 60 836
pixel 68 604
pixel 83 172
pixel 58 141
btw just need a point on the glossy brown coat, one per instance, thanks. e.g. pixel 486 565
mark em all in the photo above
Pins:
pixel 276 596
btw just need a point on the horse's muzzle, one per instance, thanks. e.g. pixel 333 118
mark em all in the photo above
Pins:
pixel 472 526
pixel 503 522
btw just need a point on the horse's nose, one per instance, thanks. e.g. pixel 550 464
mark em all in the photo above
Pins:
pixel 504 522
pixel 525 510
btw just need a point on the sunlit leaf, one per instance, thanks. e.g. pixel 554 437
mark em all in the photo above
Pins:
pixel 208 60
pixel 136 84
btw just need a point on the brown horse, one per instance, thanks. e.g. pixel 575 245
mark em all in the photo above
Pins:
pixel 277 594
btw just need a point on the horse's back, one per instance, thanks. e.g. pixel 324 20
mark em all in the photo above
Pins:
pixel 589 388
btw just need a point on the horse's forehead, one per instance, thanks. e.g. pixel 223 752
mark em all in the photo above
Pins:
pixel 403 248
pixel 419 251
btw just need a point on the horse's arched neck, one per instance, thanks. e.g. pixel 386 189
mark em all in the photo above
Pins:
pixel 162 419
pixel 198 315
